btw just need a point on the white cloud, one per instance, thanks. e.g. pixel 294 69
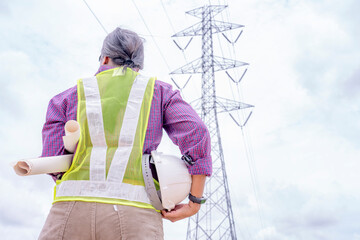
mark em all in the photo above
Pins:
pixel 269 233
pixel 25 205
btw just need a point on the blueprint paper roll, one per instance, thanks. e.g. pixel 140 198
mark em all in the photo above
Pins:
pixel 43 165
pixel 72 135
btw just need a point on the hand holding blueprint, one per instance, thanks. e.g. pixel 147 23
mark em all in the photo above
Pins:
pixel 55 163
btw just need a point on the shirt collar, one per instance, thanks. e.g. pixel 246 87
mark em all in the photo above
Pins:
pixel 104 68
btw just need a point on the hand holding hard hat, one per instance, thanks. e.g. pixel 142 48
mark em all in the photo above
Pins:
pixel 182 211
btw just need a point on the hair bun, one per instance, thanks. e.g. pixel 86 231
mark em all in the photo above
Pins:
pixel 128 62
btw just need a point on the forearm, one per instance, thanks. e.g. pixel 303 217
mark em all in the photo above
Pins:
pixel 197 185
pixel 197 190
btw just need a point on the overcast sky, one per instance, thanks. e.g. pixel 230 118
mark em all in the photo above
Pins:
pixel 303 79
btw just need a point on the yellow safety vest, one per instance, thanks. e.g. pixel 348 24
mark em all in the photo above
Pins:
pixel 113 111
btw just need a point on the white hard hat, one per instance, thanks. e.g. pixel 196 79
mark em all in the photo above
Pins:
pixel 174 180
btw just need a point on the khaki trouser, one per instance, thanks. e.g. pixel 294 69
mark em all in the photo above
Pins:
pixel 76 220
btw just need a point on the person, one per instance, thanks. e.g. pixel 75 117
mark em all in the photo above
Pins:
pixel 121 115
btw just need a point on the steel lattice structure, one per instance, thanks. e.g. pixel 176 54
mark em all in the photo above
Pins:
pixel 215 219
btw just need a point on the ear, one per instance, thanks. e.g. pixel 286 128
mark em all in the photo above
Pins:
pixel 105 60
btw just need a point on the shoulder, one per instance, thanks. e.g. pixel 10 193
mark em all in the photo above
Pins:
pixel 67 93
pixel 164 89
pixel 162 85
pixel 65 97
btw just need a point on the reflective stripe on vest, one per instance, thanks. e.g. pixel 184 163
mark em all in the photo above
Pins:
pixel 96 129
pixel 111 186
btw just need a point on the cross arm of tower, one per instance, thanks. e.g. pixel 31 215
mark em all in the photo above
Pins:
pixel 189 68
pixel 197 29
pixel 219 26
pixel 194 30
pixel 215 9
pixel 222 105
pixel 219 64
pixel 227 105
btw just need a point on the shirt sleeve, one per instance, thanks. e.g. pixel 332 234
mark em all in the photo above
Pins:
pixel 53 130
pixel 185 128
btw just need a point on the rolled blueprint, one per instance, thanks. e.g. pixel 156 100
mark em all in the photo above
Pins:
pixel 43 165
pixel 52 164
pixel 72 134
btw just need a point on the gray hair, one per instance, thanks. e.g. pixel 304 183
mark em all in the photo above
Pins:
pixel 124 47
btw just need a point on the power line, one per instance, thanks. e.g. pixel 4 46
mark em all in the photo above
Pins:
pixel 142 18
pixel 157 46
pixel 247 144
pixel 97 19
pixel 182 50
pixel 172 26
pixel 248 149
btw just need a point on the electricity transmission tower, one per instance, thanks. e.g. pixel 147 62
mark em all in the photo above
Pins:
pixel 215 219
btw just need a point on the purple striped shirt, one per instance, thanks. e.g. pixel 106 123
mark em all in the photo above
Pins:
pixel 168 111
